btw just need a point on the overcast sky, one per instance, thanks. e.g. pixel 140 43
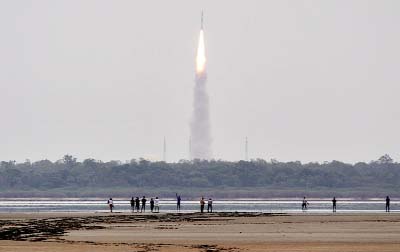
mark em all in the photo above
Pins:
pixel 304 80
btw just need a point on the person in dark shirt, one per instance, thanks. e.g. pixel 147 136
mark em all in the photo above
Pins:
pixel 137 204
pixel 151 204
pixel 334 204
pixel 178 202
pixel 143 209
pixel 132 204
pixel 387 204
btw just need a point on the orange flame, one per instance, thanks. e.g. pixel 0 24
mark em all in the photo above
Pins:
pixel 201 54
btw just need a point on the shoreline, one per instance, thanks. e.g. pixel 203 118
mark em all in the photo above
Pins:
pixel 49 214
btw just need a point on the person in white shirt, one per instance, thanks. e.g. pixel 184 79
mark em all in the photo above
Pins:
pixel 157 205
pixel 110 204
pixel 209 205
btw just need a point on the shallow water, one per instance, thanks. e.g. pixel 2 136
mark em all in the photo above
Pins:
pixel 169 205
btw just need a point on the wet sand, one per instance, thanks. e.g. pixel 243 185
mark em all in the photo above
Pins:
pixel 199 232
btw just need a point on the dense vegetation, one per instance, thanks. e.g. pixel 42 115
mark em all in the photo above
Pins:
pixel 256 178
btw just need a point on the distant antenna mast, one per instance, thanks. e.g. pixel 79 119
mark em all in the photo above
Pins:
pixel 165 151
pixel 246 154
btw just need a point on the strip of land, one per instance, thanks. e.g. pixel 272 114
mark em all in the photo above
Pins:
pixel 67 232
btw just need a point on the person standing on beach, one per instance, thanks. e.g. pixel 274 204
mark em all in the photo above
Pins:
pixel 143 209
pixel 387 204
pixel 151 204
pixel 178 202
pixel 157 205
pixel 110 204
pixel 334 204
pixel 304 205
pixel 209 205
pixel 137 204
pixel 202 203
pixel 132 204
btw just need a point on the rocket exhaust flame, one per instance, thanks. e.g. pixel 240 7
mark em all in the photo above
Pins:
pixel 201 54
pixel 200 128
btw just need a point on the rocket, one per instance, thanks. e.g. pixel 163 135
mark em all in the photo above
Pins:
pixel 201 54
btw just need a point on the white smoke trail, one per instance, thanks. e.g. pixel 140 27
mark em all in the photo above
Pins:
pixel 200 126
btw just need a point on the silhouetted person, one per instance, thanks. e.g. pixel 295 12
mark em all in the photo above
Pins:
pixel 143 209
pixel 334 204
pixel 110 204
pixel 209 205
pixel 387 204
pixel 178 202
pixel 151 204
pixel 132 202
pixel 157 205
pixel 202 203
pixel 137 204
pixel 304 205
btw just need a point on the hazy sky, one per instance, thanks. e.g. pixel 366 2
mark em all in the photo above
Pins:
pixel 304 80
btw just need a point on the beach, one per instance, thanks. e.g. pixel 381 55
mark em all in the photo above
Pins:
pixel 199 232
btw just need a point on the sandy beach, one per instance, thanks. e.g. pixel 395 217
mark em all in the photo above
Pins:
pixel 199 232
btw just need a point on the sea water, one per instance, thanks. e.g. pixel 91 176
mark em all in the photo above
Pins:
pixel 219 205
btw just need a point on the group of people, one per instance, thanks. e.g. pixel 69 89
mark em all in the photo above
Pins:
pixel 137 204
pixel 209 205
pixel 304 204
pixel 140 204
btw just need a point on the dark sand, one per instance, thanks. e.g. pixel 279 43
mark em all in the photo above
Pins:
pixel 200 232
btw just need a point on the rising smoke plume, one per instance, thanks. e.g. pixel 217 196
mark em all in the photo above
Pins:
pixel 200 127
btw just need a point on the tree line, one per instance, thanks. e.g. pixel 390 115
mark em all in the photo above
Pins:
pixel 214 175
